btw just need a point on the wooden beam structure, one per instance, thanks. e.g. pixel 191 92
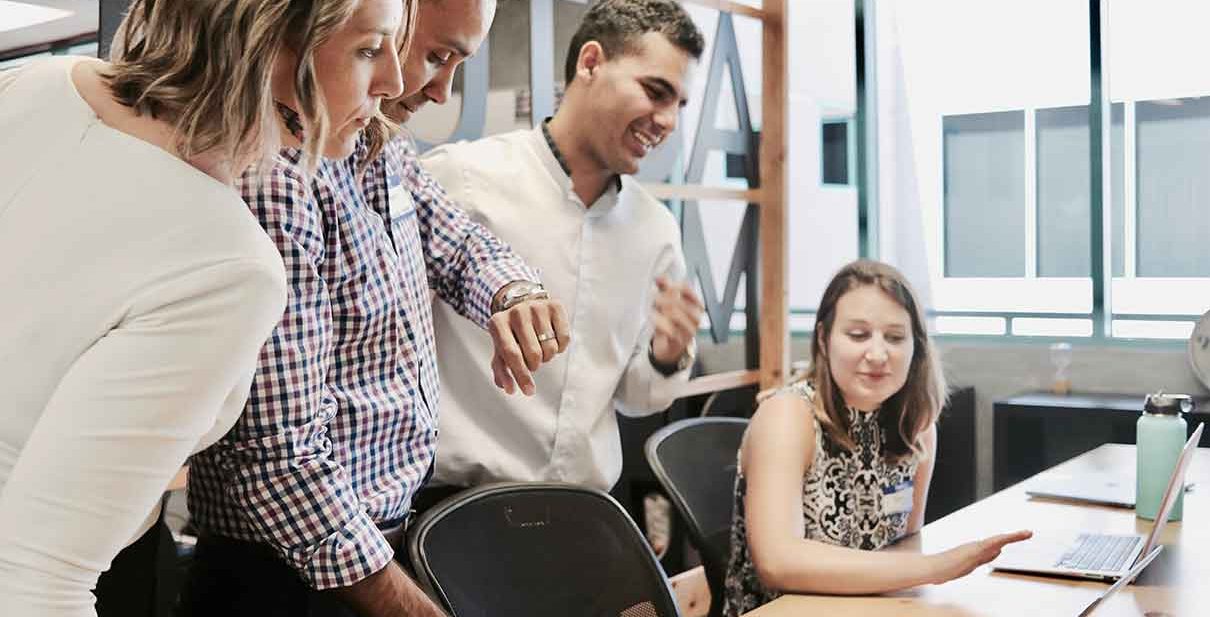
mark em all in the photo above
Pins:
pixel 730 6
pixel 774 264
pixel 693 191
pixel 769 195
pixel 718 381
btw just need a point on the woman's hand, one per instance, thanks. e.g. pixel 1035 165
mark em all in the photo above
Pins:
pixel 962 560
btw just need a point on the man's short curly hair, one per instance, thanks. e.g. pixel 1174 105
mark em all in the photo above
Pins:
pixel 617 25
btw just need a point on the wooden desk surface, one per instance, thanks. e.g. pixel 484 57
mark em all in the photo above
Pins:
pixel 1175 584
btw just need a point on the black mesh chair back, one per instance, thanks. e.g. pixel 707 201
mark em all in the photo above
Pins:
pixel 694 460
pixel 734 403
pixel 537 550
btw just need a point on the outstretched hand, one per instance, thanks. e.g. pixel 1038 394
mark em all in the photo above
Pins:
pixel 962 560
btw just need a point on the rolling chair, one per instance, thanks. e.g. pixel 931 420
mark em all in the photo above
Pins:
pixel 537 550
pixel 695 461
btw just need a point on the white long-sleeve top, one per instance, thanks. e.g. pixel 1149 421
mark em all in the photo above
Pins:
pixel 135 293
pixel 601 263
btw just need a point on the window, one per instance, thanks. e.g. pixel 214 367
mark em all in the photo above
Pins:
pixel 1172 142
pixel 984 195
pixel 990 150
pixel 837 151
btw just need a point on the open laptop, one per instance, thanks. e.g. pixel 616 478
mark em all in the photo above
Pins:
pixel 1122 582
pixel 1091 555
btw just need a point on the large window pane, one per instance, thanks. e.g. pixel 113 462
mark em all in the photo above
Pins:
pixel 1064 197
pixel 1173 149
pixel 1157 56
pixel 985 194
pixel 1063 191
pixel 959 86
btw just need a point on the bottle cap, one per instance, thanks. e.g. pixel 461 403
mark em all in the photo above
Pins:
pixel 1168 404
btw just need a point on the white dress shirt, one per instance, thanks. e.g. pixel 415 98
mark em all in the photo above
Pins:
pixel 601 263
pixel 135 293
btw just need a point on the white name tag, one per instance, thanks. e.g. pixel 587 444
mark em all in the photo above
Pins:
pixel 897 499
pixel 400 202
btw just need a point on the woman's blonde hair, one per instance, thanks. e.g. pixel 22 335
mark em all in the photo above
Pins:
pixel 910 411
pixel 205 67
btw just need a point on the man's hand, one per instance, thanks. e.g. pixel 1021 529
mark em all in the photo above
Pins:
pixel 678 311
pixel 524 337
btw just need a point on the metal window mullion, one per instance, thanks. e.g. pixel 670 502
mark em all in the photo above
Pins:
pixel 1031 193
pixel 867 130
pixel 1100 120
pixel 1130 204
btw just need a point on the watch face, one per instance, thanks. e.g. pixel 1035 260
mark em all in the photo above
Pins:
pixel 520 291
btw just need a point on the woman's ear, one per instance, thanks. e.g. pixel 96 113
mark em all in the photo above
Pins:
pixel 819 338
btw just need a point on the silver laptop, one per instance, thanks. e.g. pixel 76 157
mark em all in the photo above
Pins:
pixel 1122 582
pixel 1093 555
pixel 1100 488
pixel 1096 487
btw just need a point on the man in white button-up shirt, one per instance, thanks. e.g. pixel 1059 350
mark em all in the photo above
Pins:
pixel 561 195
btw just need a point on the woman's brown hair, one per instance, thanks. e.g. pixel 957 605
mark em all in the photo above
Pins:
pixel 910 411
pixel 205 67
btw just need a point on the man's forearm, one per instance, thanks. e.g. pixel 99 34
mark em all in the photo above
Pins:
pixel 388 592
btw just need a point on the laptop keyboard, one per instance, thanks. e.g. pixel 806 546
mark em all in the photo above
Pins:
pixel 1098 552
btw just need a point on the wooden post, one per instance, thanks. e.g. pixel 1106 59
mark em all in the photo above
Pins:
pixel 775 309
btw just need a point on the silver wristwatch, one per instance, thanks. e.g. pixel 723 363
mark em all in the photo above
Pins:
pixel 517 292
pixel 668 370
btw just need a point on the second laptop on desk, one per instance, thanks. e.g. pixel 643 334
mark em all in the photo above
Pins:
pixel 1094 555
pixel 1097 488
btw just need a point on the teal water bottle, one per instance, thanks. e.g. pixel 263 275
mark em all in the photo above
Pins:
pixel 1161 437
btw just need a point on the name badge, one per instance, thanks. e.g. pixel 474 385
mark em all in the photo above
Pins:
pixel 400 202
pixel 897 499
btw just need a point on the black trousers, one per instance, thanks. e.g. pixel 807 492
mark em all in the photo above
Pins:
pixel 141 580
pixel 234 578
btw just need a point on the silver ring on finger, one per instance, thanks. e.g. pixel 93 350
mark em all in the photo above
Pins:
pixel 546 336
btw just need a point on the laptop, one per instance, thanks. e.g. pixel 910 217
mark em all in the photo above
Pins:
pixel 1122 582
pixel 1092 555
pixel 1098 488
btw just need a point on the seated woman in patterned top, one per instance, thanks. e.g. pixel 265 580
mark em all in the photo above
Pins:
pixel 838 465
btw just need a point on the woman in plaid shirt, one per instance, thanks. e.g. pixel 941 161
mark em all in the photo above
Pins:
pixel 300 506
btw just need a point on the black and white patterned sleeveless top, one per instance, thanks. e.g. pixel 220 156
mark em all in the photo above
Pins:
pixel 842 503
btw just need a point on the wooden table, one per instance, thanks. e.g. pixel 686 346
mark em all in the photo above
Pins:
pixel 1177 583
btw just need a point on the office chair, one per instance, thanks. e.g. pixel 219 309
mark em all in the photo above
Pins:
pixel 537 550
pixel 735 403
pixel 695 461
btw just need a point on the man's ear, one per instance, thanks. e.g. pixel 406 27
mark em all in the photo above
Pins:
pixel 592 56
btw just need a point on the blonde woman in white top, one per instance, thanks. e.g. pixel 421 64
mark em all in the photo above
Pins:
pixel 135 286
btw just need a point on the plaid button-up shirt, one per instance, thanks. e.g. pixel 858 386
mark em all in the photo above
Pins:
pixel 340 427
